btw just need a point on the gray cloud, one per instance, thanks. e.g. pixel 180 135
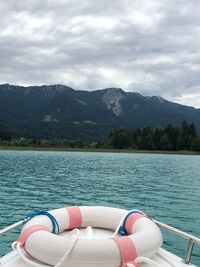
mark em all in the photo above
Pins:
pixel 151 47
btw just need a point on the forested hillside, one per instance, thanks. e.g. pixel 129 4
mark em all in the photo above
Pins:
pixel 60 112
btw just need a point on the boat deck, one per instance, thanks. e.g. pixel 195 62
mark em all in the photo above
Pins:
pixel 163 258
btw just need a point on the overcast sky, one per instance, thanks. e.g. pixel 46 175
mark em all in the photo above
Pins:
pixel 146 46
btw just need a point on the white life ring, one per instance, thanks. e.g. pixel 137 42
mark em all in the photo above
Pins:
pixel 39 242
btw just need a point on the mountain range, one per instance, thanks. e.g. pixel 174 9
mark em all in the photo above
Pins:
pixel 58 111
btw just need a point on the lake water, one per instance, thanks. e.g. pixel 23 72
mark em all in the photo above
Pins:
pixel 166 187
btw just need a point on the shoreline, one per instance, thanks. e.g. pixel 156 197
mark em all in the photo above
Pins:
pixel 65 149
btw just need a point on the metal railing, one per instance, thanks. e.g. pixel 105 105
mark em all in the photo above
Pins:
pixel 191 239
pixel 13 226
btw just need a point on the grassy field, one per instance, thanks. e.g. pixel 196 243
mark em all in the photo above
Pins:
pixel 31 148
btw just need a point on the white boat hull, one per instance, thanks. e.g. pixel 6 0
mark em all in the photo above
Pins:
pixel 163 258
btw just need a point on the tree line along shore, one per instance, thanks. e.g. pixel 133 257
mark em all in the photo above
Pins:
pixel 171 139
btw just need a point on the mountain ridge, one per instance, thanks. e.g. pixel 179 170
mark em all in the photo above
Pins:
pixel 63 88
pixel 33 110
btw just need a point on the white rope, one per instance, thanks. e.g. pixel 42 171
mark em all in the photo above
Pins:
pixel 166 259
pixel 146 260
pixel 149 261
pixel 70 249
pixel 138 259
pixel 25 259
pixel 16 245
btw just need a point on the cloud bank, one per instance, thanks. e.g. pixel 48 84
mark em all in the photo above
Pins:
pixel 151 47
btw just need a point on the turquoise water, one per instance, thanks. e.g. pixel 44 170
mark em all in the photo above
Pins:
pixel 166 187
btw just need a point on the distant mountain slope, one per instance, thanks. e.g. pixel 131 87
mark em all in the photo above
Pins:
pixel 58 111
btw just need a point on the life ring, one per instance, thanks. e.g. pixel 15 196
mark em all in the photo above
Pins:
pixel 143 240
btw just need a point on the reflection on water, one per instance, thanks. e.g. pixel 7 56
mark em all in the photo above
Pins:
pixel 166 187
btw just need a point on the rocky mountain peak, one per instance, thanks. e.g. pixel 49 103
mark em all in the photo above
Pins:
pixel 112 99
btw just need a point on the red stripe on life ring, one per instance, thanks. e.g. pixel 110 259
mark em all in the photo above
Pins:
pixel 30 230
pixel 131 220
pixel 75 217
pixel 127 250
